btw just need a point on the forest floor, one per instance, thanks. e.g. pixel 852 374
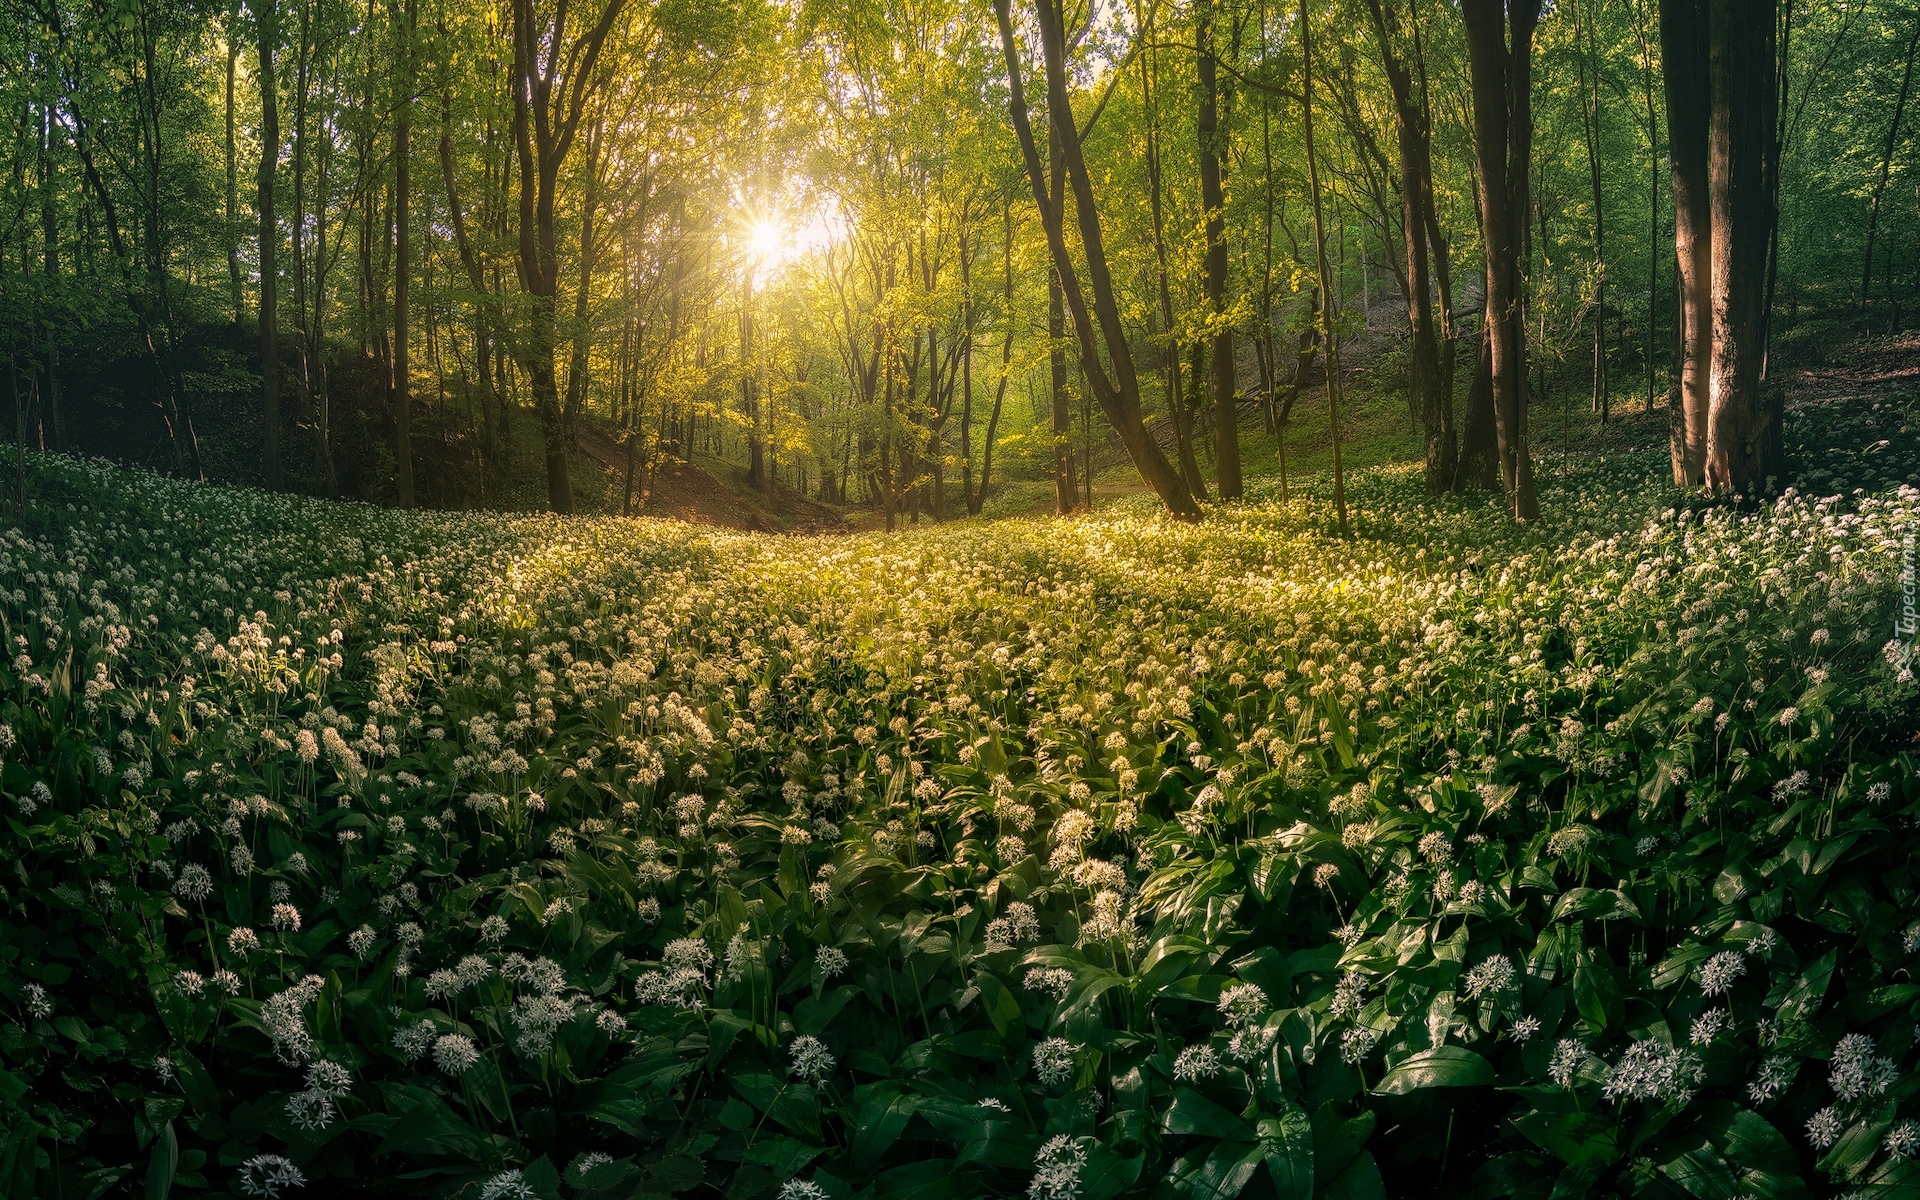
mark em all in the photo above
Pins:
pixel 1826 384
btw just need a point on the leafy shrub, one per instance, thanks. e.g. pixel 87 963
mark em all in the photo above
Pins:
pixel 406 854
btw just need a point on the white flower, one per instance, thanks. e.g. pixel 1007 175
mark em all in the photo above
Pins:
pixel 1856 1071
pixel 802 1189
pixel 1718 973
pixel 1490 978
pixel 286 917
pixel 194 884
pixel 310 1110
pixel 1708 1026
pixel 266 1174
pixel 507 1185
pixel 329 1078
pixel 1524 1029
pixel 1824 1127
pixel 1056 1169
pixel 1775 1073
pixel 361 940
pixel 810 1060
pixel 580 1167
pixel 1054 981
pixel 1792 785
pixel 831 960
pixel 242 942
pixel 1053 1061
pixel 1567 1057
pixel 1903 1140
pixel 687 954
pixel 1652 1071
pixel 1196 1063
pixel 455 1053
pixel 1242 1004
pixel 1356 1044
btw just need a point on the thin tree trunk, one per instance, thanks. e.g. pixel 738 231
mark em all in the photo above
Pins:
pixel 1501 78
pixel 1589 67
pixel 268 22
pixel 1431 392
pixel 1118 393
pixel 403 260
pixel 233 169
pixel 1326 286
pixel 1886 162
pixel 1226 417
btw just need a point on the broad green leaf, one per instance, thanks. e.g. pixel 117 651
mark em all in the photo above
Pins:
pixel 1442 1066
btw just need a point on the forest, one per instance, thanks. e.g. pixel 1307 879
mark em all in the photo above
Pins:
pixel 943 599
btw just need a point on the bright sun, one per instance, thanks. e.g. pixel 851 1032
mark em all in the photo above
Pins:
pixel 767 240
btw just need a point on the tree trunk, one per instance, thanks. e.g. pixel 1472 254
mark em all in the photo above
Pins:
pixel 547 108
pixel 267 22
pixel 1501 80
pixel 1118 393
pixel 1432 394
pixel 1683 51
pixel 1065 493
pixel 1320 252
pixel 1226 417
pixel 233 169
pixel 1742 438
pixel 1588 57
pixel 1886 162
pixel 1480 449
pixel 403 261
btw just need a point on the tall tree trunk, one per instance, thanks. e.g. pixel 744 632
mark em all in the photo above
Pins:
pixel 233 168
pixel 1118 393
pixel 583 290
pixel 547 107
pixel 483 333
pixel 267 21
pixel 403 259
pixel 1326 283
pixel 1886 162
pixel 1501 80
pixel 1213 200
pixel 1176 401
pixel 1588 57
pixel 1432 393
pixel 1065 494
pixel 1480 444
pixel 1742 439
pixel 1683 53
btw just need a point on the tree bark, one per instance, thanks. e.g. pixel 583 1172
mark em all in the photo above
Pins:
pixel 1886 162
pixel 547 107
pixel 1320 251
pixel 1118 393
pixel 1742 434
pixel 233 169
pixel 1683 52
pixel 403 260
pixel 1213 200
pixel 1432 394
pixel 1501 81
pixel 267 24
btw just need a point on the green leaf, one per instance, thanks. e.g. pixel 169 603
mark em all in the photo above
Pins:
pixel 1360 1181
pixel 1288 1141
pixel 1192 1113
pixel 1442 1066
pixel 163 1163
pixel 812 1015
pixel 930 1180
pixel 1222 1175
pixel 1803 998
pixel 882 1111
pixel 1108 1174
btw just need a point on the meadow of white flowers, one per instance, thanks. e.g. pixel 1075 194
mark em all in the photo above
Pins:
pixel 357 851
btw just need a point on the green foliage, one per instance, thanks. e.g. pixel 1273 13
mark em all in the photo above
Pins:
pixel 458 855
